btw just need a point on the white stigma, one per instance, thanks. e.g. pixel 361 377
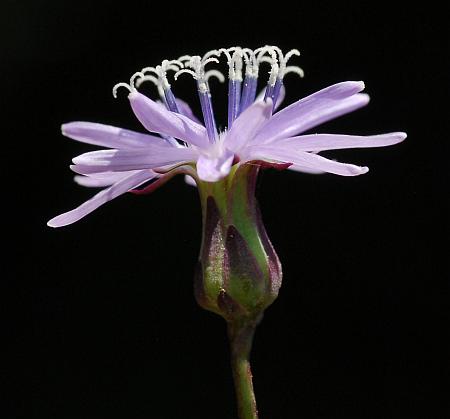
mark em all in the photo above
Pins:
pixel 153 79
pixel 235 62
pixel 196 68
pixel 283 59
pixel 161 72
pixel 253 59
pixel 212 53
pixel 130 87
pixel 215 73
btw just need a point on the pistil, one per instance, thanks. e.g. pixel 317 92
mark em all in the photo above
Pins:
pixel 197 64
pixel 283 69
pixel 162 83
pixel 234 81
pixel 252 61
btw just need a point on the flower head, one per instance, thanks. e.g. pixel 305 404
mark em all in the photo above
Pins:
pixel 257 132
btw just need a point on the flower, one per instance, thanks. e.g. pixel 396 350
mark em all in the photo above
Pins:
pixel 256 131
pixel 238 272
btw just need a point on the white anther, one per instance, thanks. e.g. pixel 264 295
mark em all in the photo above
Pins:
pixel 215 73
pixel 273 74
pixel 130 87
pixel 234 62
pixel 203 87
pixel 275 68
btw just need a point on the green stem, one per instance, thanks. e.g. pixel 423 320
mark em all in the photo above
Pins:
pixel 241 338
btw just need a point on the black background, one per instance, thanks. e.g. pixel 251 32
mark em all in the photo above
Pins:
pixel 358 329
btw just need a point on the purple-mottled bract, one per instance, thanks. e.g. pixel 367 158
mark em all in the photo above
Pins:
pixel 257 131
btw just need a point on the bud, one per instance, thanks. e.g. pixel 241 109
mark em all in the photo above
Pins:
pixel 238 274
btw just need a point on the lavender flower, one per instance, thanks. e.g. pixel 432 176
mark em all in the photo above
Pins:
pixel 238 274
pixel 255 133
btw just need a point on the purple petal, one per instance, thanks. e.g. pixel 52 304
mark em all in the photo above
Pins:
pixel 108 136
pixel 213 169
pixel 186 110
pixel 247 125
pixel 90 182
pixel 101 198
pixel 157 119
pixel 280 98
pixel 190 180
pixel 305 160
pixel 87 170
pixel 101 180
pixel 123 160
pixel 320 142
pixel 303 169
pixel 314 110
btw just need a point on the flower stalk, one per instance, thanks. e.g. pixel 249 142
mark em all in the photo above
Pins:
pixel 239 273
pixel 241 339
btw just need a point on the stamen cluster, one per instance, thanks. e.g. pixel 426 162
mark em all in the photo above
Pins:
pixel 241 91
